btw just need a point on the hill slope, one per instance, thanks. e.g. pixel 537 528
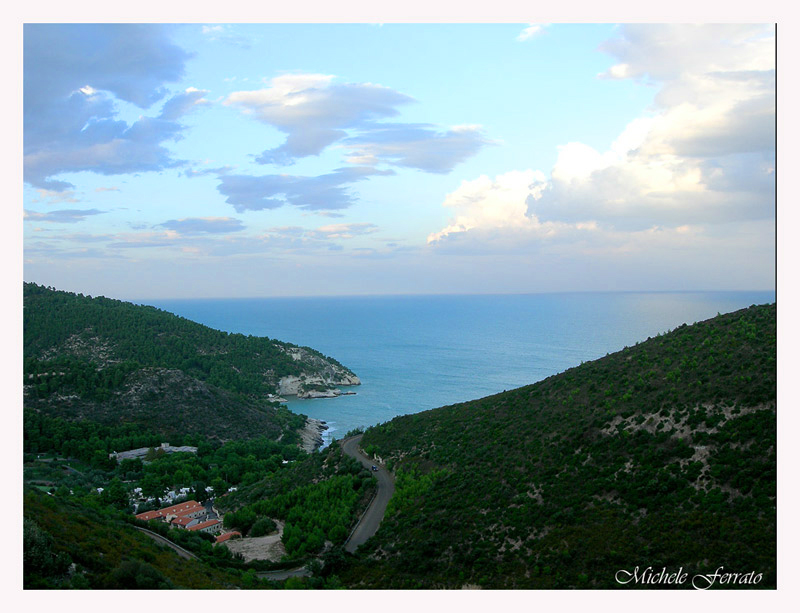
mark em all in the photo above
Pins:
pixel 661 455
pixel 111 361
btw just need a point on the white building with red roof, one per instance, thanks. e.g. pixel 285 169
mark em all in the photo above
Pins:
pixel 190 508
pixel 212 526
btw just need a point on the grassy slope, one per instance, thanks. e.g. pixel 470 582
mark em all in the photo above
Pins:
pixel 662 454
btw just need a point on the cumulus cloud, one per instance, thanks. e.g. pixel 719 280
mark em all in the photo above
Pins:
pixel 493 208
pixel 702 155
pixel 315 112
pixel 73 77
pixel 62 215
pixel 325 192
pixel 204 225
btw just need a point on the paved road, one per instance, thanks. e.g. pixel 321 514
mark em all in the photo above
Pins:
pixel 371 519
pixel 280 575
pixel 160 539
pixel 367 525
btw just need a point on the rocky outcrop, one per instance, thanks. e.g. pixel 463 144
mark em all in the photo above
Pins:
pixel 312 434
pixel 322 383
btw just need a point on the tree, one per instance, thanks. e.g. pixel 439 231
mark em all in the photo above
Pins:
pixel 115 494
pixel 220 487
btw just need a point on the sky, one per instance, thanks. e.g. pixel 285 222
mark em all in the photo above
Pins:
pixel 245 160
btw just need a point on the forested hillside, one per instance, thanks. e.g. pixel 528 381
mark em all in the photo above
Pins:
pixel 660 455
pixel 112 361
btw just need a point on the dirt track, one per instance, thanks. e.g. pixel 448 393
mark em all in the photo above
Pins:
pixel 261 547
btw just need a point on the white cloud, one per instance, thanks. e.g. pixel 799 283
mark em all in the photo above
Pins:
pixel 533 29
pixel 56 196
pixel 315 112
pixel 499 203
pixel 225 34
pixel 416 146
pixel 345 230
pixel 702 155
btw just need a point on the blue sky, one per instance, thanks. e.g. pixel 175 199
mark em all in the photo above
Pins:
pixel 267 160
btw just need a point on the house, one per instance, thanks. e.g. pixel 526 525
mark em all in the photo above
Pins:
pixel 184 522
pixel 228 536
pixel 190 508
pixel 212 526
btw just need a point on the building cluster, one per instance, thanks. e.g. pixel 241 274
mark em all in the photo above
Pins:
pixel 189 515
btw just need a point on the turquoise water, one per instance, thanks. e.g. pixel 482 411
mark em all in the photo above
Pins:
pixel 414 353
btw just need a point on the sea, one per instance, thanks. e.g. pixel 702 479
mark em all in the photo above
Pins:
pixel 414 353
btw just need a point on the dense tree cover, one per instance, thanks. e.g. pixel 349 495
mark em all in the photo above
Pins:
pixel 104 376
pixel 219 465
pixel 319 498
pixel 86 440
pixel 114 361
pixel 660 455
pixel 106 331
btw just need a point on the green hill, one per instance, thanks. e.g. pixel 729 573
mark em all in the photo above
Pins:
pixel 661 455
pixel 112 361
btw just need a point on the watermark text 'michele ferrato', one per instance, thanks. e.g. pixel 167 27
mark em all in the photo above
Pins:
pixel 650 576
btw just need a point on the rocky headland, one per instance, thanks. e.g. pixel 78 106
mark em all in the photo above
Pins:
pixel 312 434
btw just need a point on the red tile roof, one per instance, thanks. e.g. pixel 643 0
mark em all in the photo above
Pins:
pixel 227 536
pixel 190 506
pixel 205 524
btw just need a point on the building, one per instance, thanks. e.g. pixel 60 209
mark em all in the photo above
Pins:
pixel 228 536
pixel 211 526
pixel 184 522
pixel 191 509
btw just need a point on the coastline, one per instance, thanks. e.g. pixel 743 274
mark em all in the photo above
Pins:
pixel 312 434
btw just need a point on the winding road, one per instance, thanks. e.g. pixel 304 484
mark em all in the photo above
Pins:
pixel 367 525
pixel 371 519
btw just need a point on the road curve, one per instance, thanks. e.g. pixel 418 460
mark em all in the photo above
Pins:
pixel 371 519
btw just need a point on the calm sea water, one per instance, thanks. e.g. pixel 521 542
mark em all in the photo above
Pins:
pixel 414 353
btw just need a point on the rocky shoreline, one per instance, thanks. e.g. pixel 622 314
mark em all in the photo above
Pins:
pixel 312 434
pixel 316 386
pixel 328 393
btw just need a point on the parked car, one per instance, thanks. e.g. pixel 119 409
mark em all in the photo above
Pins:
pixel 375 468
